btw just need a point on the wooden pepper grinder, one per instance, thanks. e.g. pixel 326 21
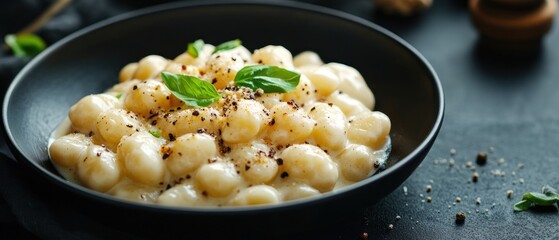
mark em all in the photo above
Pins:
pixel 513 26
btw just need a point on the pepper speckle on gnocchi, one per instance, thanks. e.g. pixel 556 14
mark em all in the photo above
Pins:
pixel 222 126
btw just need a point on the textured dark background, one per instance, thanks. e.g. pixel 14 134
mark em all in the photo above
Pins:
pixel 506 106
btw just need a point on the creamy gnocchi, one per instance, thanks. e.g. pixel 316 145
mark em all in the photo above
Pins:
pixel 140 141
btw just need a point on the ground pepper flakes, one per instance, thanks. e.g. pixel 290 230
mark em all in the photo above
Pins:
pixel 172 137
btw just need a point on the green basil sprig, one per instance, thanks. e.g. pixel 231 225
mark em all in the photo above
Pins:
pixel 522 205
pixel 227 45
pixel 25 45
pixel 271 79
pixel 193 91
pixel 549 197
pixel 194 48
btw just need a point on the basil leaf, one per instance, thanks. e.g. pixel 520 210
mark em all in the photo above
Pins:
pixel 25 45
pixel 193 91
pixel 118 95
pixel 522 205
pixel 155 134
pixel 271 79
pixel 227 45
pixel 194 48
pixel 549 191
pixel 539 198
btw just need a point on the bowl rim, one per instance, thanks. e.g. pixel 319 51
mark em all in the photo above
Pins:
pixel 161 9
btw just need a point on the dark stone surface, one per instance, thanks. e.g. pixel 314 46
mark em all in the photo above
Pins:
pixel 506 106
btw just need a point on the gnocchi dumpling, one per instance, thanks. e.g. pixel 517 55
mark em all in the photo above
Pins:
pixel 149 67
pixel 289 124
pixel 324 79
pixel 357 162
pixel 123 88
pixel 222 69
pixel 99 170
pixel 140 154
pixel 269 100
pixel 127 72
pixel 68 150
pixel 311 165
pixel 307 58
pixel 353 84
pixel 370 129
pixel 189 152
pixel 218 179
pixel 114 124
pixel 331 126
pixel 273 56
pixel 180 195
pixel 297 191
pixel 350 106
pixel 178 68
pixel 83 114
pixel 255 162
pixel 256 195
pixel 180 122
pixel 128 189
pixel 243 121
pixel 148 97
pixel 304 93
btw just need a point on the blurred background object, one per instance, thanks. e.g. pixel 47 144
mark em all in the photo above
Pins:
pixel 52 20
pixel 513 27
pixel 403 7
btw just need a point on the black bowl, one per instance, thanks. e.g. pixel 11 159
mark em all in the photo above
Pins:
pixel 406 88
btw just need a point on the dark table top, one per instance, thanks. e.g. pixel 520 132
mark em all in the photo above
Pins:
pixel 505 106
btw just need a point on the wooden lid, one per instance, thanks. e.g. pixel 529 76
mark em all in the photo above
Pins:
pixel 516 3
pixel 506 24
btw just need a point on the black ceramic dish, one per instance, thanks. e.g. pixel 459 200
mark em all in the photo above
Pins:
pixel 405 86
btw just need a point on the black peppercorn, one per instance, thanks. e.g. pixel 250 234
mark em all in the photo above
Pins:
pixel 460 217
pixel 481 158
